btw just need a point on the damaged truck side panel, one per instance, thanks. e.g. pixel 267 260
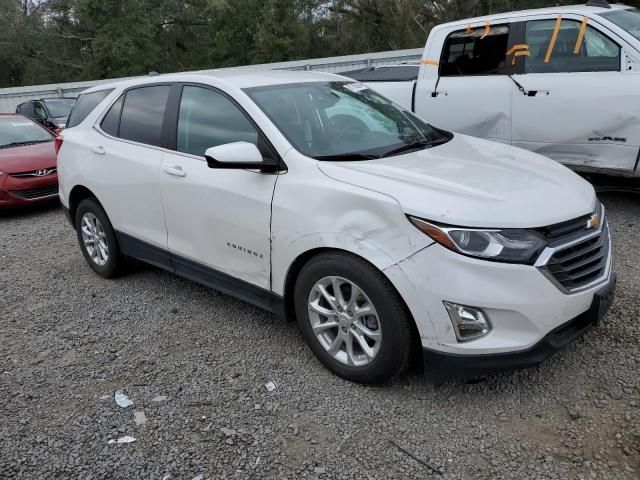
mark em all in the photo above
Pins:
pixel 561 82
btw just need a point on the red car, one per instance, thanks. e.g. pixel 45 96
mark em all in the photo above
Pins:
pixel 27 162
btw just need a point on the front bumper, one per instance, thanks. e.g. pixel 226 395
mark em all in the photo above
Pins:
pixel 22 192
pixel 525 307
pixel 442 367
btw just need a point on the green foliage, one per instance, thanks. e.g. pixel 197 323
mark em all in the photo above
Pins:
pixel 51 41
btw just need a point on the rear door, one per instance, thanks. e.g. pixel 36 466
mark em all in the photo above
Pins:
pixel 126 151
pixel 463 83
pixel 582 107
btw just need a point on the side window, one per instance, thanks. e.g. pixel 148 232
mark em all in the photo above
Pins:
pixel 27 110
pixel 111 121
pixel 39 110
pixel 143 114
pixel 476 52
pixel 85 105
pixel 572 50
pixel 207 119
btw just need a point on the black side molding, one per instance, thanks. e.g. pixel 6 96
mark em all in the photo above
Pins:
pixel 224 283
pixel 132 247
pixel 202 274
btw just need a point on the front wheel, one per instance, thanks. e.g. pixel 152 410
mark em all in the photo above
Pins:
pixel 352 318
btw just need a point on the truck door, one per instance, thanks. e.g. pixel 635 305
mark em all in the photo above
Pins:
pixel 463 84
pixel 580 104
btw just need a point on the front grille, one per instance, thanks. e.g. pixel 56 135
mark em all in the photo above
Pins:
pixel 564 230
pixel 34 173
pixel 582 263
pixel 34 193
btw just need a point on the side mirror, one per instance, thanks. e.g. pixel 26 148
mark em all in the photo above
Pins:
pixel 237 155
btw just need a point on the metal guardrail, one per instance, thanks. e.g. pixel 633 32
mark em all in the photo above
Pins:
pixel 10 98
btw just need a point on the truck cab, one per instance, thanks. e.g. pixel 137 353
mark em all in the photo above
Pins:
pixel 562 82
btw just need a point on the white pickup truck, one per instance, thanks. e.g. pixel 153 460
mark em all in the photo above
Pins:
pixel 563 82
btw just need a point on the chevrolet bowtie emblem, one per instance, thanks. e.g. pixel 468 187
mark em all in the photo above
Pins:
pixel 594 222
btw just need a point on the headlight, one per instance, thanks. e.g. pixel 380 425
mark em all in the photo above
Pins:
pixel 501 245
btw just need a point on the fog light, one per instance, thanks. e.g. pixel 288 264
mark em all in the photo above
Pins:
pixel 469 323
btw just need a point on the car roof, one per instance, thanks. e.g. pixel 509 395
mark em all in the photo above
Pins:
pixel 240 78
pixel 577 9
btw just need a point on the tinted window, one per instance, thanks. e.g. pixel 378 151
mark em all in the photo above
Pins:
pixel 475 52
pixel 40 111
pixel 143 114
pixel 208 119
pixel 85 105
pixel 111 121
pixel 571 51
pixel 26 109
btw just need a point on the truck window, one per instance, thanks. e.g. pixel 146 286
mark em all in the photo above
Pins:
pixel 570 53
pixel 475 53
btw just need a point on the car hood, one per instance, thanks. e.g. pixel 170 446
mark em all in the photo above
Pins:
pixel 474 183
pixel 27 158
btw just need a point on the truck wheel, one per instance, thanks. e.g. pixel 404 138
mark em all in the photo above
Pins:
pixel 98 240
pixel 352 318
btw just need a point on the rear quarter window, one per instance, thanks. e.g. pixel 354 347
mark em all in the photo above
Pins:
pixel 85 105
pixel 143 114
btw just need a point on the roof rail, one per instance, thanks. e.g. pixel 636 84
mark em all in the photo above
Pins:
pixel 598 3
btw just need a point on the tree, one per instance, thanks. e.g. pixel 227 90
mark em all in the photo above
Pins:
pixel 50 41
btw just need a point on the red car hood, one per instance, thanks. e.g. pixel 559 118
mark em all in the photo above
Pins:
pixel 27 158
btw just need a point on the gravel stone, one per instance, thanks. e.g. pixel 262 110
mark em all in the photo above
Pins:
pixel 197 362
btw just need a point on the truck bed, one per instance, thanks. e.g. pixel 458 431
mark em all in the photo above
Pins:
pixel 395 82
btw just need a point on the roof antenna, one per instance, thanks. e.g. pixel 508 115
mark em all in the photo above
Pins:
pixel 598 3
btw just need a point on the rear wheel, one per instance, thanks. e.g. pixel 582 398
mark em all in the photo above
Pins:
pixel 352 318
pixel 98 240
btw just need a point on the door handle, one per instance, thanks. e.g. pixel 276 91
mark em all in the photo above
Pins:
pixel 98 150
pixel 175 170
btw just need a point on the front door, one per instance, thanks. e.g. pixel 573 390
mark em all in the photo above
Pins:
pixel 468 90
pixel 218 220
pixel 581 108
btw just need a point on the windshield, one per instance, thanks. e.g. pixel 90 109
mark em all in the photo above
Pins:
pixel 60 108
pixel 16 131
pixel 343 121
pixel 628 20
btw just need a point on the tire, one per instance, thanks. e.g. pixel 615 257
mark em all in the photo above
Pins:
pixel 379 360
pixel 110 265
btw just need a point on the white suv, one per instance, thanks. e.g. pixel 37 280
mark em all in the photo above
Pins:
pixel 315 198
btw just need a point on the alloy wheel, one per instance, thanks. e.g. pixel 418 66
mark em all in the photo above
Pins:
pixel 94 238
pixel 345 321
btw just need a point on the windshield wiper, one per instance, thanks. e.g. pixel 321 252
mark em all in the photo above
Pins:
pixel 419 145
pixel 347 157
pixel 22 144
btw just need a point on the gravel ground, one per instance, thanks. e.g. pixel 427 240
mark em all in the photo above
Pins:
pixel 196 363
